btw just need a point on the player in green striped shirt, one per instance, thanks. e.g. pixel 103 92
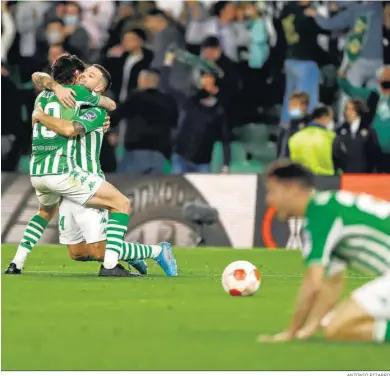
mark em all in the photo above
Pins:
pixel 343 230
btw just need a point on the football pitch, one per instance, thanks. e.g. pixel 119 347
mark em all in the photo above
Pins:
pixel 59 315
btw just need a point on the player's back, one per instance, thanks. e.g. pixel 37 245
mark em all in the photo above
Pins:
pixel 53 154
pixel 354 228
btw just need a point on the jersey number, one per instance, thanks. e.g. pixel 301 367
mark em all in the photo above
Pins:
pixel 365 203
pixel 52 109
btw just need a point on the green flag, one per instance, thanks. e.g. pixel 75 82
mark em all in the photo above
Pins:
pixel 356 41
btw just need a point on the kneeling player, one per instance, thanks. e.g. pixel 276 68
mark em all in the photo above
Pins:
pixel 343 230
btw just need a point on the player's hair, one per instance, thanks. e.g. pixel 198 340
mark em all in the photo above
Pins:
pixel 286 171
pixel 301 96
pixel 64 68
pixel 106 75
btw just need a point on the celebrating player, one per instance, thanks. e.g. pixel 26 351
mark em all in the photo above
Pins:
pixel 55 175
pixel 343 230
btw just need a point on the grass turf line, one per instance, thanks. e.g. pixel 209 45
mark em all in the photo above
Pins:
pixel 59 316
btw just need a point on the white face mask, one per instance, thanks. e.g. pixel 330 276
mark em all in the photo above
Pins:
pixel 53 37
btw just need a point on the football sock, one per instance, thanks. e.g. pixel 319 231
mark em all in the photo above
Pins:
pixel 31 236
pixel 135 251
pixel 116 229
pixel 382 331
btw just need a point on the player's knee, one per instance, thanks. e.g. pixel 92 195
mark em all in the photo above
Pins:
pixel 335 329
pixel 97 250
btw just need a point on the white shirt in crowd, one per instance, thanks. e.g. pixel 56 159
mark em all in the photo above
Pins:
pixel 97 17
pixel 29 17
pixel 129 64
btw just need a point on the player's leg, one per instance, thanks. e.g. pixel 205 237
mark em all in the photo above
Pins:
pixel 48 204
pixel 364 316
pixel 107 196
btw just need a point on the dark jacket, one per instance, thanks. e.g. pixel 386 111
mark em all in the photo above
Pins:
pixel 200 126
pixel 116 66
pixel 151 116
pixel 287 130
pixel 355 153
pixel 301 34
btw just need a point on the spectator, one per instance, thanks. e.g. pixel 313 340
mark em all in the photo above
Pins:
pixel 230 34
pixel 378 101
pixel 29 16
pixel 126 18
pixel 363 71
pixel 302 72
pixel 202 123
pixel 8 31
pixel 354 148
pixel 77 36
pixel 150 117
pixel 386 34
pixel 12 131
pixel 312 145
pixel 228 85
pixel 55 51
pixel 97 17
pixel 297 109
pixel 133 60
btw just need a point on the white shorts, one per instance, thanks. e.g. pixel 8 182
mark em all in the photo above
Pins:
pixel 79 224
pixel 78 186
pixel 374 297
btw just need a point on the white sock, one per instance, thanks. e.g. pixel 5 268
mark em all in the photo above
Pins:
pixel 111 259
pixel 156 250
pixel 379 331
pixel 20 257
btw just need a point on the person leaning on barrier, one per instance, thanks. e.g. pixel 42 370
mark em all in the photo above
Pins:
pixel 312 145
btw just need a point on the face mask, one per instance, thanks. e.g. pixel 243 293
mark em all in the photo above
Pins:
pixel 71 19
pixel 385 85
pixel 53 37
pixel 296 113
pixel 331 125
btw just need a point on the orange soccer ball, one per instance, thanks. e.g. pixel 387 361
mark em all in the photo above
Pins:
pixel 241 278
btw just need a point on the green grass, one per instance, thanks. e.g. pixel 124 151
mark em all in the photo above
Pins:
pixel 59 316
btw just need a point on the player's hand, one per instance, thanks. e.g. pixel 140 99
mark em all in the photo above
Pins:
pixel 106 124
pixel 38 111
pixel 305 332
pixel 280 337
pixel 65 96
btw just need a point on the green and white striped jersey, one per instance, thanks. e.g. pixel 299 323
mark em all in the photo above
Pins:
pixel 88 146
pixel 354 229
pixel 52 154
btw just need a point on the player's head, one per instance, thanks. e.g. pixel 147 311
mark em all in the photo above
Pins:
pixel 289 186
pixel 66 69
pixel 95 78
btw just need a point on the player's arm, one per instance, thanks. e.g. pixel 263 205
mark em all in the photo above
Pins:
pixel 329 294
pixel 43 81
pixel 67 128
pixel 88 98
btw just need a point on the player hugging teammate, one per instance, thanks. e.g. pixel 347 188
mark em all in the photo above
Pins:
pixel 69 120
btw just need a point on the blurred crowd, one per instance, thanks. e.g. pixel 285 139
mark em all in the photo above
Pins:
pixel 216 86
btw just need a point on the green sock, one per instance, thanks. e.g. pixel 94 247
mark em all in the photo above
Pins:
pixel 387 334
pixel 31 236
pixel 135 251
pixel 33 232
pixel 116 229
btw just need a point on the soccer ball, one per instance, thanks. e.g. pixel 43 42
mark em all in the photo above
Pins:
pixel 241 278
